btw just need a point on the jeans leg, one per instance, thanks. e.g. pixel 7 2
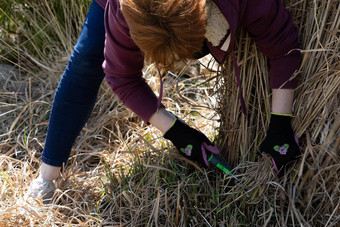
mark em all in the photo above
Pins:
pixel 77 90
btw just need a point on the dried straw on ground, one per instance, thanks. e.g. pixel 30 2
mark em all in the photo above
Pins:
pixel 121 171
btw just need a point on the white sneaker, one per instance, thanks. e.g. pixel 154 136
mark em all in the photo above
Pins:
pixel 41 188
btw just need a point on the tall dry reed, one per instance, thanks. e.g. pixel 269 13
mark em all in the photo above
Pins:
pixel 310 193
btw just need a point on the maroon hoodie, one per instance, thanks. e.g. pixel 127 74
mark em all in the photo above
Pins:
pixel 268 22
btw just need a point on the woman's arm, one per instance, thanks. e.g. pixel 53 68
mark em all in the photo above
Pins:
pixel 271 27
pixel 123 65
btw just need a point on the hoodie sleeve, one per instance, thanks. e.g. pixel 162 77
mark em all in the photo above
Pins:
pixel 271 27
pixel 123 65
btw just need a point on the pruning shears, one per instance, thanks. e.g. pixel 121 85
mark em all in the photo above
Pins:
pixel 217 161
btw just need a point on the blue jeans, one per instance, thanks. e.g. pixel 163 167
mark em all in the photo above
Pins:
pixel 77 90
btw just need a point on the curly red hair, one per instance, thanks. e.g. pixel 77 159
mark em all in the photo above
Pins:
pixel 166 31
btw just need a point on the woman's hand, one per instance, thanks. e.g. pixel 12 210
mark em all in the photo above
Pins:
pixel 280 143
pixel 190 142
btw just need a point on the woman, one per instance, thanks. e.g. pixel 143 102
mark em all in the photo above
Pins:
pixel 122 34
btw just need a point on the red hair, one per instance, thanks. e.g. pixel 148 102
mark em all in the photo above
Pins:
pixel 166 31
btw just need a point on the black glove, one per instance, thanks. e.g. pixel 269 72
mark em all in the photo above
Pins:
pixel 281 143
pixel 190 142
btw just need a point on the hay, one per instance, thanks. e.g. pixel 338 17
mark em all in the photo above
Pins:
pixel 310 194
pixel 123 173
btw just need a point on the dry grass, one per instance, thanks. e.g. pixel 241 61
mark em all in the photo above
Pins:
pixel 310 194
pixel 122 173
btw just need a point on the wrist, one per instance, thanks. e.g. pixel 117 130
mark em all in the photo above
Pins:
pixel 282 101
pixel 162 120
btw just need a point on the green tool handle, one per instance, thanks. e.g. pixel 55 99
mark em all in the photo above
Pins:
pixel 217 161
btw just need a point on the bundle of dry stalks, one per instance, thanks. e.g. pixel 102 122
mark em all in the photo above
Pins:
pixel 310 193
pixel 123 173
